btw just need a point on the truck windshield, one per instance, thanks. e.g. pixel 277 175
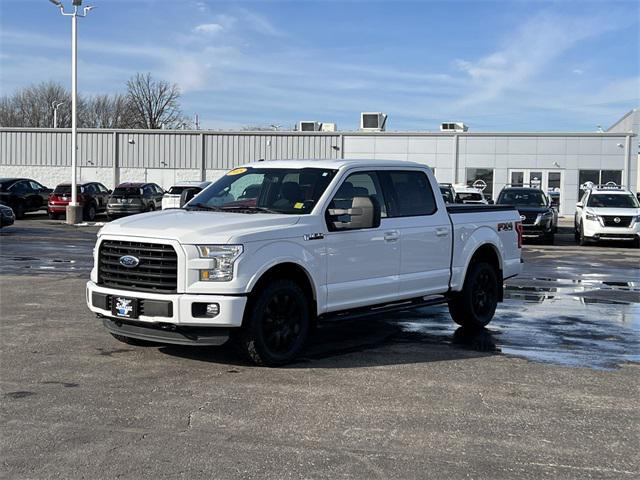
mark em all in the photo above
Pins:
pixel 265 190
pixel 612 200
pixel 522 198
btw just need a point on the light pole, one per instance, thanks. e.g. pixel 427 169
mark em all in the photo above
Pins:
pixel 55 106
pixel 74 211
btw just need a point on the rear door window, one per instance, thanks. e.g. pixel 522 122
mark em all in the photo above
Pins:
pixel 409 194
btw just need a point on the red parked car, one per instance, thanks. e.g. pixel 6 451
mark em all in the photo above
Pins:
pixel 93 196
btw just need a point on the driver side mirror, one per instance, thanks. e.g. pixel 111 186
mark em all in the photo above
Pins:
pixel 364 213
pixel 186 196
pixel 579 205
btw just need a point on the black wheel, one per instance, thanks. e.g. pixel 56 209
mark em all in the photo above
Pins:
pixel 110 217
pixel 576 233
pixel 132 341
pixel 276 324
pixel 19 211
pixel 53 216
pixel 151 207
pixel 582 239
pixel 90 212
pixel 475 305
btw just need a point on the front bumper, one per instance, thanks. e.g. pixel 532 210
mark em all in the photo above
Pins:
pixel 537 230
pixel 596 231
pixel 169 309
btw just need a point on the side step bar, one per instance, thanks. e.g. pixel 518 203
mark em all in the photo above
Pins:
pixel 383 308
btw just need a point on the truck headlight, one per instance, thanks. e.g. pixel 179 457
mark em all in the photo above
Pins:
pixel 224 256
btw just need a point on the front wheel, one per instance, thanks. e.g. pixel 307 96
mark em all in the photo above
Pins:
pixel 476 304
pixel 19 211
pixel 583 239
pixel 276 324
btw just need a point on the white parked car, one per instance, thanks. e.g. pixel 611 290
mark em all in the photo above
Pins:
pixel 472 195
pixel 607 212
pixel 171 198
pixel 274 247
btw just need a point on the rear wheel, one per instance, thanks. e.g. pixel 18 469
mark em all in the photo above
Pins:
pixel 132 341
pixel 476 304
pixel 276 324
pixel 19 211
pixel 90 212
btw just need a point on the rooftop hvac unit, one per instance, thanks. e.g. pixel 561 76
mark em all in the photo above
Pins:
pixel 373 121
pixel 309 126
pixel 453 127
pixel 328 127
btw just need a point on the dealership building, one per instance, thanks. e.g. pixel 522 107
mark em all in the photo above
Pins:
pixel 556 161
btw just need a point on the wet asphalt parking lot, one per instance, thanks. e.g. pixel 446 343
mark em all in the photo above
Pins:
pixel 549 390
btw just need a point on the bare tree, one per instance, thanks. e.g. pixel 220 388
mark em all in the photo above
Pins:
pixel 33 106
pixel 107 111
pixel 154 103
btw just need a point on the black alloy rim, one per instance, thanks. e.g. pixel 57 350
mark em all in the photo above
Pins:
pixel 282 323
pixel 483 295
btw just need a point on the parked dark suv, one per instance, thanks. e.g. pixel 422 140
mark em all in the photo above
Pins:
pixel 130 198
pixel 93 197
pixel 539 217
pixel 23 195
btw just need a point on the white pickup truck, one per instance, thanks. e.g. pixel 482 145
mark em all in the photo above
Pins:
pixel 273 247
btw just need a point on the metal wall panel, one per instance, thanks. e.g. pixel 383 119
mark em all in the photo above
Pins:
pixel 224 151
pixel 158 150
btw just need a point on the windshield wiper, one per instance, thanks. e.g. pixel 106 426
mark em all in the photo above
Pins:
pixel 202 206
pixel 248 209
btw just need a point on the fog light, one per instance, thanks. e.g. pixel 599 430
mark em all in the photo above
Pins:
pixel 205 310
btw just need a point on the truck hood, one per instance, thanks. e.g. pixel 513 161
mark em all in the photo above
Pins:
pixel 193 227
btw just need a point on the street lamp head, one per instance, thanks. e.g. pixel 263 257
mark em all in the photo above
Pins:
pixel 88 8
pixel 57 3
pixel 77 3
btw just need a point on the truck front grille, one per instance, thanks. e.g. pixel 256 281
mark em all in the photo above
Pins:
pixel 609 221
pixel 157 270
pixel 529 218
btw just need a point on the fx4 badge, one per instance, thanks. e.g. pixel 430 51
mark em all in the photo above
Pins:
pixel 505 227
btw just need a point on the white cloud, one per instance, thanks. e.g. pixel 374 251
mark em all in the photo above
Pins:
pixel 577 71
pixel 526 53
pixel 208 28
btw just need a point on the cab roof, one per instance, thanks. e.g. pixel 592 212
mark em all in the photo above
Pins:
pixel 333 164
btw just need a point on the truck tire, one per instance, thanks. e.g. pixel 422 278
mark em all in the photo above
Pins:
pixel 132 341
pixel 549 238
pixel 475 305
pixel 276 324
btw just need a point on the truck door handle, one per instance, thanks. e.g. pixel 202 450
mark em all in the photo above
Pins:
pixel 391 236
pixel 442 232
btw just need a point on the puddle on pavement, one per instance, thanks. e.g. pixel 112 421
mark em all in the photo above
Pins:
pixel 542 326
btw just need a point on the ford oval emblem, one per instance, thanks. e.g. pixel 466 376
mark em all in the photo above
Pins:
pixel 129 261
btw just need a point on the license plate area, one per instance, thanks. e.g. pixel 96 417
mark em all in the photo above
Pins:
pixel 124 307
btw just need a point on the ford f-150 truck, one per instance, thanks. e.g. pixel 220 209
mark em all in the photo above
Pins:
pixel 273 247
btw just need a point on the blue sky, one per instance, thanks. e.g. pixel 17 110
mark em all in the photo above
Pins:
pixel 496 65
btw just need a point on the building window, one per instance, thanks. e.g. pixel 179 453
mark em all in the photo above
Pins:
pixel 481 178
pixel 598 177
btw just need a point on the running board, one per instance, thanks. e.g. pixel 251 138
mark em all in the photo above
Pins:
pixel 383 308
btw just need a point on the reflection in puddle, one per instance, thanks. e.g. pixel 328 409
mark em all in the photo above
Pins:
pixel 565 330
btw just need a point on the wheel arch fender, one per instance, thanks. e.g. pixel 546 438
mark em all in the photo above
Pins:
pixel 483 243
pixel 298 264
